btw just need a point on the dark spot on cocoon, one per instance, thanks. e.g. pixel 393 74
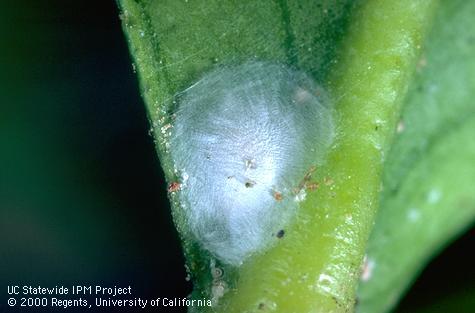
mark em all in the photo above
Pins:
pixel 249 184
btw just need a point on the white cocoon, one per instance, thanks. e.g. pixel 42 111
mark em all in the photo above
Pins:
pixel 243 139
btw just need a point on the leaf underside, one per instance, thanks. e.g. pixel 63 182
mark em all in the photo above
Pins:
pixel 364 54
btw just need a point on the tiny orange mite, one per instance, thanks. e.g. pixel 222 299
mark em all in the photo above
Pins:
pixel 277 196
pixel 312 186
pixel 175 186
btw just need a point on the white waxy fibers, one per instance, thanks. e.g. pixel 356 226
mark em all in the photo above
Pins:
pixel 243 139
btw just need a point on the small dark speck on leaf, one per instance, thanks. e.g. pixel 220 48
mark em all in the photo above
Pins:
pixel 280 233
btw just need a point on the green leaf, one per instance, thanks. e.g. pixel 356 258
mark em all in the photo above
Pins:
pixel 363 54
pixel 428 195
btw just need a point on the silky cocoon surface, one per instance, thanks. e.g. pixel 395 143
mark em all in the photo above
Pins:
pixel 242 141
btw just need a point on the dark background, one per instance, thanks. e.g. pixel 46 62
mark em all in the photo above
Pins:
pixel 82 195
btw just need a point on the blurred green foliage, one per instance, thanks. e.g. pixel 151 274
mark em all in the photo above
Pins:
pixel 82 198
